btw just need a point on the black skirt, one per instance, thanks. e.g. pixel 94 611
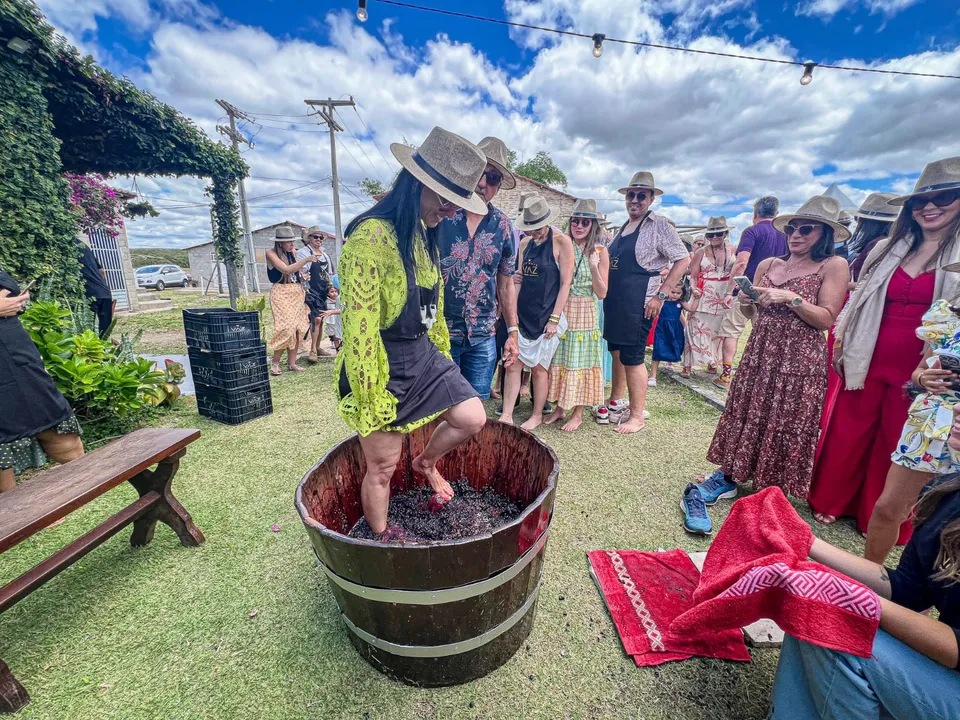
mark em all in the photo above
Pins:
pixel 29 400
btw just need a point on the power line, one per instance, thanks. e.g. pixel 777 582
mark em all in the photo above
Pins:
pixel 372 136
pixel 599 38
pixel 379 176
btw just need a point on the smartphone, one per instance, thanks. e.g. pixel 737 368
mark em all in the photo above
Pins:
pixel 746 287
pixel 950 361
pixel 29 285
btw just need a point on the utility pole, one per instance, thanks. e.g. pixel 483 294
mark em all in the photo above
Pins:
pixel 253 279
pixel 325 109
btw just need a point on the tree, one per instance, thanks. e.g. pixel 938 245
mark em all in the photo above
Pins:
pixel 372 187
pixel 542 169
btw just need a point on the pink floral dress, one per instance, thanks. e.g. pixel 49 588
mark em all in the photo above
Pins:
pixel 704 345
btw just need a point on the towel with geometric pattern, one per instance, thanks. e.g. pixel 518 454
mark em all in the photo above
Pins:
pixel 758 567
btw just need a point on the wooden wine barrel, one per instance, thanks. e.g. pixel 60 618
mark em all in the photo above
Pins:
pixel 441 613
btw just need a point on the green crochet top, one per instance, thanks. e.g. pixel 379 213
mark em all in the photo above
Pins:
pixel 373 288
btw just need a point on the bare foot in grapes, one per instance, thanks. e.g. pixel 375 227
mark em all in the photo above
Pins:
pixel 439 484
pixel 534 422
pixel 556 416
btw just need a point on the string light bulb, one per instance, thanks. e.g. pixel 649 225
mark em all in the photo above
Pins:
pixel 807 73
pixel 362 10
pixel 598 39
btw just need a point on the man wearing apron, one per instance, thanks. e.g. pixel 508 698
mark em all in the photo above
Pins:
pixel 546 274
pixel 645 245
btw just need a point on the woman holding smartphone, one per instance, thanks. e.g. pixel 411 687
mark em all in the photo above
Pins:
pixel 768 431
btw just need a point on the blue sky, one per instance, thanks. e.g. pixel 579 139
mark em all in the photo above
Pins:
pixel 716 132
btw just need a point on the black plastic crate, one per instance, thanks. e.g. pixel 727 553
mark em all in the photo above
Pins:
pixel 234 406
pixel 229 371
pixel 221 329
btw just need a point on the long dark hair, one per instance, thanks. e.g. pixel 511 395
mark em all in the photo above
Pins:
pixel 824 247
pixel 948 560
pixel 401 208
pixel 906 226
pixel 866 232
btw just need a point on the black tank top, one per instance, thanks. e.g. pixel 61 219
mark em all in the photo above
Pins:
pixel 275 276
pixel 540 287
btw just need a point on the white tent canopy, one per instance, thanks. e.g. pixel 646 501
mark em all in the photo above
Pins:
pixel 836 193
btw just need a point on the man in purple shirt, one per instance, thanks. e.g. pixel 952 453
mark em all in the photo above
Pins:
pixel 757 243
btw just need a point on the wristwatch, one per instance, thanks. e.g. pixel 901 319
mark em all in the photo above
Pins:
pixel 796 302
pixel 661 295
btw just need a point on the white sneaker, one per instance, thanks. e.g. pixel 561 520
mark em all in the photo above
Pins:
pixel 651 382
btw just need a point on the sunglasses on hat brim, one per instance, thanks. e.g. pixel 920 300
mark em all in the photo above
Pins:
pixel 941 200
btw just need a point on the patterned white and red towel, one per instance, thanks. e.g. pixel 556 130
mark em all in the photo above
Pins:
pixel 757 567
pixel 644 592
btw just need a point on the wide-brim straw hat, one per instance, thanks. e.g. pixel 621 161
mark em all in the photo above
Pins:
pixel 536 214
pixel 314 230
pixel 585 209
pixel 284 233
pixel 936 176
pixel 717 225
pixel 819 208
pixel 449 165
pixel 877 207
pixel 496 152
pixel 642 180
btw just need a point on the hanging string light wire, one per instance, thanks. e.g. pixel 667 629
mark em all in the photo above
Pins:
pixel 656 46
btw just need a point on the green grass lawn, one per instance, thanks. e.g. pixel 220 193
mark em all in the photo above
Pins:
pixel 166 632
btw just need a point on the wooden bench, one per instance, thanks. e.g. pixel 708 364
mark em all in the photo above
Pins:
pixel 56 493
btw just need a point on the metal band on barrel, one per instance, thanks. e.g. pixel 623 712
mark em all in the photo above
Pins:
pixel 438 597
pixel 434 651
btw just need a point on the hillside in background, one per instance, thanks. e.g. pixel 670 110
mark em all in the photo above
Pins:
pixel 159 256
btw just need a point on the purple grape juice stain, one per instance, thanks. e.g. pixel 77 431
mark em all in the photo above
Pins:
pixel 471 513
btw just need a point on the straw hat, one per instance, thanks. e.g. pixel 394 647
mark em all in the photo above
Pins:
pixel 845 218
pixel 314 230
pixel 536 214
pixel 585 209
pixel 642 180
pixel 449 165
pixel 718 225
pixel 819 208
pixel 877 207
pixel 496 153
pixel 525 197
pixel 936 176
pixel 284 232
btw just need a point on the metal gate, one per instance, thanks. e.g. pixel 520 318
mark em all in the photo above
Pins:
pixel 108 253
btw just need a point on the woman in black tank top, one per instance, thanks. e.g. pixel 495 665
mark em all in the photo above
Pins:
pixel 291 319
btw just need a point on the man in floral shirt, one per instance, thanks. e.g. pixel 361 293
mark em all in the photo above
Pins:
pixel 478 256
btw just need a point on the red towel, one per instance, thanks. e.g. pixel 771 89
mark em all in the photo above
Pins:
pixel 757 567
pixel 644 593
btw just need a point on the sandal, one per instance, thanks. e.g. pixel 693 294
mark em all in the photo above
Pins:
pixel 685 373
pixel 295 368
pixel 824 518
pixel 276 371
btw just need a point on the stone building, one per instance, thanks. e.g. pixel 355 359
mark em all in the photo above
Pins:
pixel 559 201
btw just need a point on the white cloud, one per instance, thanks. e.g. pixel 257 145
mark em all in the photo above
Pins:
pixel 828 8
pixel 717 133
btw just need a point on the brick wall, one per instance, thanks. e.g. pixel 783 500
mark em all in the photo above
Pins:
pixel 560 202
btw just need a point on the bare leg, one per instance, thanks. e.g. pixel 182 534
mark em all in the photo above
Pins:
pixel 277 356
pixel 292 355
pixel 729 350
pixel 460 423
pixel 900 494
pixel 654 369
pixel 619 385
pixel 575 421
pixel 637 386
pixel 525 383
pixel 61 448
pixel 511 389
pixel 382 451
pixel 541 381
pixel 8 481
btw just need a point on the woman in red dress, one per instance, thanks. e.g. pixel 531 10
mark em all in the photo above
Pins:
pixel 877 352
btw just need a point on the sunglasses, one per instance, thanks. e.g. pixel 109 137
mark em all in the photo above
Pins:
pixel 585 222
pixel 708 236
pixel 941 200
pixel 445 205
pixel 631 195
pixel 493 177
pixel 316 237
pixel 804 230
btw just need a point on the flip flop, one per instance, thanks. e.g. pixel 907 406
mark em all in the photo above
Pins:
pixel 276 372
pixel 824 518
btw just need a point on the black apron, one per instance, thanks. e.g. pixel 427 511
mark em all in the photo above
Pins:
pixel 422 380
pixel 29 399
pixel 625 303
pixel 539 289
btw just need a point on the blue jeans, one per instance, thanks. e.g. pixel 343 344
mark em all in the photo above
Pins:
pixel 897 682
pixel 477 362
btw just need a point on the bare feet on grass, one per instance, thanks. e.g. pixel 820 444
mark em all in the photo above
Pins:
pixel 534 422
pixel 629 427
pixel 574 423
pixel 439 484
pixel 506 419
pixel 556 416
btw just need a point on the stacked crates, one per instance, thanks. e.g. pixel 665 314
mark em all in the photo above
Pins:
pixel 229 364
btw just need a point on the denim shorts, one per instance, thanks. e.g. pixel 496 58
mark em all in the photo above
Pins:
pixel 477 361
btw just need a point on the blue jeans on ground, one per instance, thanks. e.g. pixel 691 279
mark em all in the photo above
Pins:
pixel 477 361
pixel 897 682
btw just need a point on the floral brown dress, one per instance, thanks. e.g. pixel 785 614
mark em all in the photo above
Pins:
pixel 768 431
